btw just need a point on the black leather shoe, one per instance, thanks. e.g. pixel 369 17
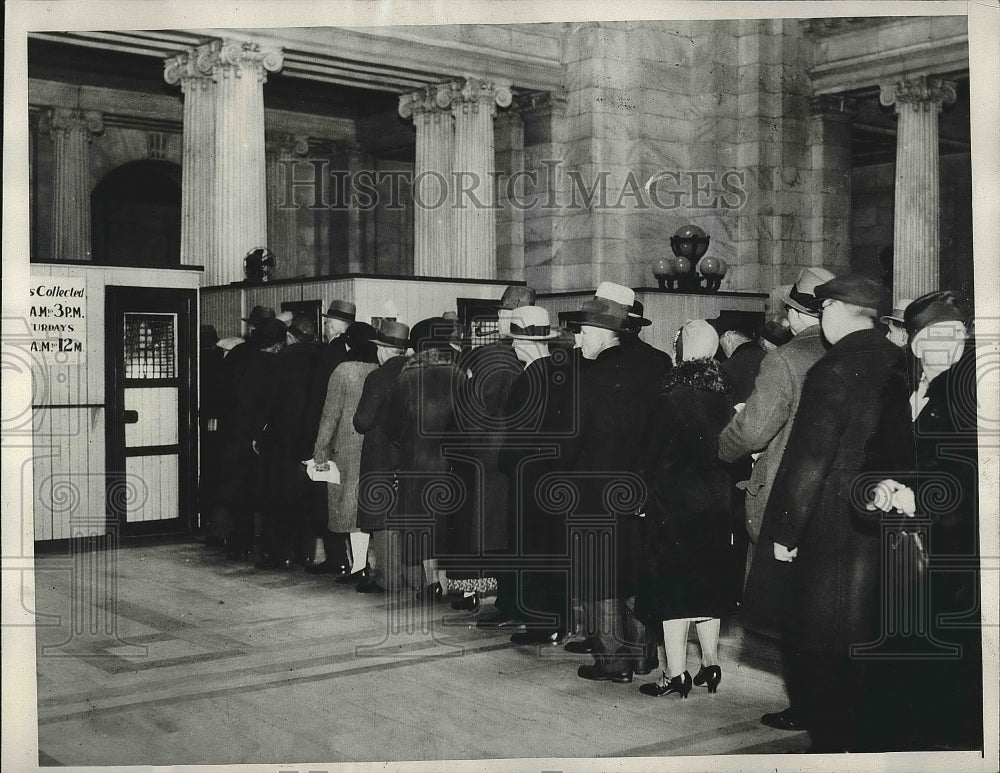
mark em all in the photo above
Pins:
pixel 467 603
pixel 595 673
pixel 350 579
pixel 710 676
pixel 429 594
pixel 579 647
pixel 327 567
pixel 496 620
pixel 369 585
pixel 530 638
pixel 680 684
pixel 784 720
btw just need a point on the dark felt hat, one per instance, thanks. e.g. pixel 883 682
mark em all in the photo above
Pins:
pixel 636 318
pixel 856 290
pixel 394 334
pixel 602 313
pixel 270 332
pixel 359 333
pixel 570 320
pixel 938 306
pixel 342 310
pixel 432 332
pixel 744 322
pixel 258 314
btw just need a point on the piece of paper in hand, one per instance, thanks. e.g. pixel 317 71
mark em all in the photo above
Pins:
pixel 332 475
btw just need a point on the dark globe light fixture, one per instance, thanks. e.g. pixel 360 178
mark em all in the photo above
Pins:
pixel 689 265
pixel 259 265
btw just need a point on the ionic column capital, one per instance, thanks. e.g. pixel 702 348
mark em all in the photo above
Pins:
pixel 471 95
pixel 191 69
pixel 431 99
pixel 919 93
pixel 219 59
pixel 286 143
pixel 64 120
pixel 834 107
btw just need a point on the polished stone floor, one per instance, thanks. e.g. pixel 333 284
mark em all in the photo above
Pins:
pixel 185 658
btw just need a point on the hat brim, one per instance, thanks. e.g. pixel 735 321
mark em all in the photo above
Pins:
pixel 605 324
pixel 640 321
pixel 341 315
pixel 890 318
pixel 391 344
pixel 791 303
pixel 548 337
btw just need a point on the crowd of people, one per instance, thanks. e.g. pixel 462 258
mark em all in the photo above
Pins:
pixel 817 473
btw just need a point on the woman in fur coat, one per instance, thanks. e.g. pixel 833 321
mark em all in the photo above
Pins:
pixel 687 521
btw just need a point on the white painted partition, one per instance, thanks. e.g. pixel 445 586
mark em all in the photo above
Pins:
pixel 68 404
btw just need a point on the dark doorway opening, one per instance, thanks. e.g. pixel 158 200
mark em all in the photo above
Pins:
pixel 136 215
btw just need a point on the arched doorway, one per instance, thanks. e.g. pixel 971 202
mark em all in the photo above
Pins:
pixel 136 215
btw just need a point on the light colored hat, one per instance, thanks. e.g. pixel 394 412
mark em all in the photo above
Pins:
pixel 228 344
pixel 286 317
pixel 801 296
pixel 698 340
pixel 616 292
pixel 531 323
pixel 898 310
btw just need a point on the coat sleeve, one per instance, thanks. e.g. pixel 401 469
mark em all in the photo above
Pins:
pixel 372 396
pixel 812 447
pixel 767 410
pixel 329 422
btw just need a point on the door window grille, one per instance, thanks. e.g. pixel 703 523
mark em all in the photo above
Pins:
pixel 150 346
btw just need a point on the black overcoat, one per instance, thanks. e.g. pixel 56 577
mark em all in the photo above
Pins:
pixel 420 420
pixel 831 598
pixel 379 455
pixel 604 459
pixel 686 530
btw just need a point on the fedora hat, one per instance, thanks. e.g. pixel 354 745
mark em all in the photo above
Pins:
pixel 570 320
pixel 258 314
pixel 801 296
pixel 531 323
pixel 270 332
pixel 341 310
pixel 856 290
pixel 600 312
pixel 898 310
pixel 516 296
pixel 636 318
pixel 394 334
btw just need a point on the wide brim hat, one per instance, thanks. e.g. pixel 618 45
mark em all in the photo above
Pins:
pixel 531 323
pixel 744 322
pixel 938 306
pixel 393 334
pixel 270 332
pixel 801 295
pixel 359 333
pixel 258 314
pixel 602 313
pixel 635 317
pixel 857 290
pixel 341 310
pixel 898 311
pixel 516 296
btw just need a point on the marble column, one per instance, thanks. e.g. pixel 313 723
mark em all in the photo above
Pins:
pixel 71 131
pixel 916 226
pixel 282 215
pixel 239 71
pixel 433 242
pixel 192 70
pixel 829 226
pixel 474 103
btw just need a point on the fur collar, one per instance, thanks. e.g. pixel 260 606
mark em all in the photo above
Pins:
pixel 702 374
pixel 432 357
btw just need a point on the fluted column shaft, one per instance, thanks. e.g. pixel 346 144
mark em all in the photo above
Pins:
pixel 474 105
pixel 916 226
pixel 282 215
pixel 198 155
pixel 433 243
pixel 71 132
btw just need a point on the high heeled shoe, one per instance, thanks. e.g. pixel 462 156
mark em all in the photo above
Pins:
pixel 710 676
pixel 680 684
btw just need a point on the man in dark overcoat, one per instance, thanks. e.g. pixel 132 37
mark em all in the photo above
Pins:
pixel 491 370
pixel 540 414
pixel 287 441
pixel 338 317
pixel 763 427
pixel 380 460
pixel 604 463
pixel 645 355
pixel 834 556
pixel 258 315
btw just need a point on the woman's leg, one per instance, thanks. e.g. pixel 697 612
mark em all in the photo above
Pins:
pixel 675 645
pixel 708 638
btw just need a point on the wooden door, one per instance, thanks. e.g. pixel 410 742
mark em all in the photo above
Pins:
pixel 152 413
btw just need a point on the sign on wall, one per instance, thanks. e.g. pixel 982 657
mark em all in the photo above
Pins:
pixel 58 317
